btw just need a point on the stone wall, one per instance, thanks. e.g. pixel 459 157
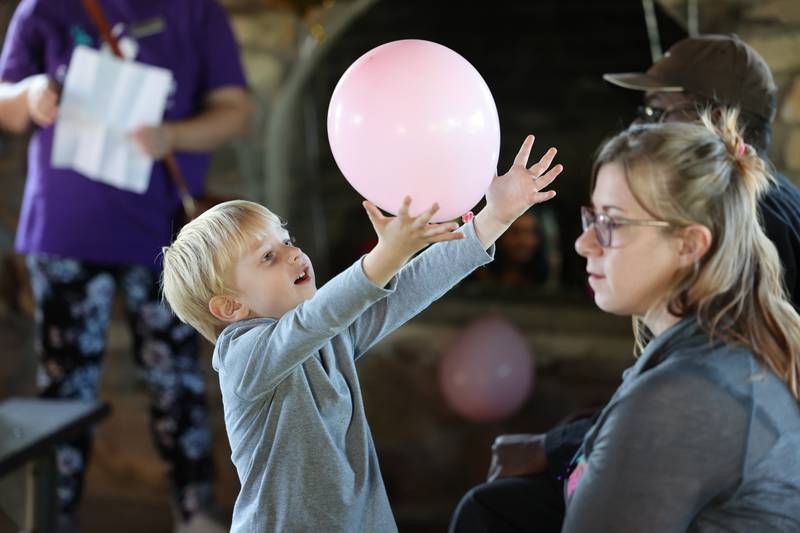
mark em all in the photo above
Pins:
pixel 772 27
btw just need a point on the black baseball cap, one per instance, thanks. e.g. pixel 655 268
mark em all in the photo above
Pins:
pixel 722 68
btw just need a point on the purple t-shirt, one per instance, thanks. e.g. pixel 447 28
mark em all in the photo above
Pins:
pixel 66 214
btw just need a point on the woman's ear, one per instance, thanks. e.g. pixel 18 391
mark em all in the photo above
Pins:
pixel 695 241
pixel 227 308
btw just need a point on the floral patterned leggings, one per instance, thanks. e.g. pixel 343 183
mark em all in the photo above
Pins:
pixel 73 304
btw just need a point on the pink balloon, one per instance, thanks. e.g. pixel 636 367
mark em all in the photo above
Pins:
pixel 487 373
pixel 414 118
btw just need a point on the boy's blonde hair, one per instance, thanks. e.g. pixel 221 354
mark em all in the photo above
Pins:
pixel 197 262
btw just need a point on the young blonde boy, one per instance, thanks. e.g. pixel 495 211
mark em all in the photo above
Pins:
pixel 286 353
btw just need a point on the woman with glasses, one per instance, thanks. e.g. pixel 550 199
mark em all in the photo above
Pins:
pixel 703 433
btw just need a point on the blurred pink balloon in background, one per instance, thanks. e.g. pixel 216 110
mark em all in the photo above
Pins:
pixel 414 118
pixel 486 374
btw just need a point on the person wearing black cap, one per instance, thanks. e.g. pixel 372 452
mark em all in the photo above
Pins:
pixel 524 490
pixel 719 71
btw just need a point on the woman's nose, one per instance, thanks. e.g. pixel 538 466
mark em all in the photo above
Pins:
pixel 586 244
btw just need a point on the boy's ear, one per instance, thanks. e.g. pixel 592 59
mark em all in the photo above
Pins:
pixel 227 308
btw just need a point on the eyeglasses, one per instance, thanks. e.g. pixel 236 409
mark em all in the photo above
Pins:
pixel 652 114
pixel 604 224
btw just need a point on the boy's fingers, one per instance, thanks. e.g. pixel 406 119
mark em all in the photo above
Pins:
pixel 544 163
pixel 368 208
pixel 403 211
pixel 435 229
pixel 425 217
pixel 539 197
pixel 373 212
pixel 524 152
pixel 447 236
pixel 548 178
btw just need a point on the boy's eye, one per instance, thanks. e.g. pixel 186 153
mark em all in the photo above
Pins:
pixel 267 257
pixel 289 241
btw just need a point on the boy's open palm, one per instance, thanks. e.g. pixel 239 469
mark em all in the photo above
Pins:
pixel 406 235
pixel 517 190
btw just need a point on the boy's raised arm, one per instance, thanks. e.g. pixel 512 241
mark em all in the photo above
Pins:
pixel 261 352
pixel 424 280
pixel 438 269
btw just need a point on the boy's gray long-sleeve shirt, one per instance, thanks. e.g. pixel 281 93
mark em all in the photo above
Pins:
pixel 699 437
pixel 293 407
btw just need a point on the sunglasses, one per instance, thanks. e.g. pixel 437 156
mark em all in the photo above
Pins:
pixel 652 114
pixel 604 224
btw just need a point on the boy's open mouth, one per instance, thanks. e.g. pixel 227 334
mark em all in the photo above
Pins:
pixel 303 278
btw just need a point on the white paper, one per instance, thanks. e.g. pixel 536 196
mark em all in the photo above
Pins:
pixel 104 99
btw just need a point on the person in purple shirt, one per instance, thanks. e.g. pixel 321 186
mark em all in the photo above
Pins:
pixel 83 238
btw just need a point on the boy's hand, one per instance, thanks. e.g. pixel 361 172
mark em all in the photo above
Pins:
pixel 517 190
pixel 406 235
pixel 400 237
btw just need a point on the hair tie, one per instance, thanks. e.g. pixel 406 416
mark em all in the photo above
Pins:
pixel 742 149
pixel 467 217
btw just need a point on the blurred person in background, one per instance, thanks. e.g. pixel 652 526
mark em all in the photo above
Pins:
pixel 85 239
